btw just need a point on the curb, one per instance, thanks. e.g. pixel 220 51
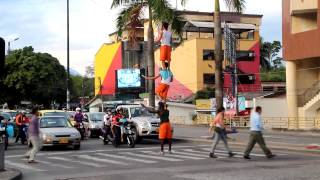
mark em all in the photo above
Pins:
pixel 244 144
pixel 14 174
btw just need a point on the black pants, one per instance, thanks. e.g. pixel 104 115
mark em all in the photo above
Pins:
pixel 256 137
pixel 117 134
pixel 19 133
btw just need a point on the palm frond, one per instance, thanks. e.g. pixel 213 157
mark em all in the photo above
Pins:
pixel 117 3
pixel 129 19
pixel 162 11
pixel 236 5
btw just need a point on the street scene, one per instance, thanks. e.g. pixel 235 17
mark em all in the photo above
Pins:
pixel 159 89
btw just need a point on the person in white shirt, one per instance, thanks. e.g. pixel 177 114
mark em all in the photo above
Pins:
pixel 165 38
pixel 256 136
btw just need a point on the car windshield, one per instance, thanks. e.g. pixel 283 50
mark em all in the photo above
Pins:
pixel 54 122
pixel 6 116
pixel 13 114
pixel 55 114
pixel 96 116
pixel 139 111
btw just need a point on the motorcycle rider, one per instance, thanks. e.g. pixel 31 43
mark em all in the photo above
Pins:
pixel 107 119
pixel 116 130
pixel 21 121
pixel 78 117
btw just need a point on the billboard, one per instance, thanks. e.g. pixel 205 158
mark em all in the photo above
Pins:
pixel 128 78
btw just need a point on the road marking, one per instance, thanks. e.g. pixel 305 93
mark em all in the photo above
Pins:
pixel 221 153
pixel 55 165
pixel 191 154
pixel 158 157
pixel 22 166
pixel 100 150
pixel 100 160
pixel 127 158
pixel 74 161
pixel 175 155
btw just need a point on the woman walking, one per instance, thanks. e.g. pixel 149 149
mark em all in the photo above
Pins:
pixel 165 127
pixel 219 129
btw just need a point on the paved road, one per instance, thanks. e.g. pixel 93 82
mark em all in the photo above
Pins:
pixel 189 161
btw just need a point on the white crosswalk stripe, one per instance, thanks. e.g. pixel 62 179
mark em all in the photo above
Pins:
pixel 184 156
pixel 159 157
pixel 127 158
pixel 76 161
pixel 100 160
pixel 23 166
pixel 237 152
pixel 55 165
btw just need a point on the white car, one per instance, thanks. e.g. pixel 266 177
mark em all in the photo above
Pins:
pixel 146 124
pixel 58 131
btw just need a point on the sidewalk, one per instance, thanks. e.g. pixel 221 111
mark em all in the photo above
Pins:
pixel 282 140
pixel 10 174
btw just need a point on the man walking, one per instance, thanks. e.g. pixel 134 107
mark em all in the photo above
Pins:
pixel 34 129
pixel 256 136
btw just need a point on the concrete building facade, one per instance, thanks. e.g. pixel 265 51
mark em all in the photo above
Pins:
pixel 301 37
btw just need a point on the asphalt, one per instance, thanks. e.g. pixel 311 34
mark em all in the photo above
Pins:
pixel 10 174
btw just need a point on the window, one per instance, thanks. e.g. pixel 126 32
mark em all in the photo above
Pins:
pixel 245 55
pixel 248 35
pixel 208 54
pixel 208 79
pixel 246 79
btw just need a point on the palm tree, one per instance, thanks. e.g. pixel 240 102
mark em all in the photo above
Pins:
pixel 130 18
pixel 233 5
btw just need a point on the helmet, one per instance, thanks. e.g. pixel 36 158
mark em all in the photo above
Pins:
pixel 78 109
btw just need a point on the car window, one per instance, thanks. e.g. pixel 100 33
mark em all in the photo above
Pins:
pixel 6 116
pixel 138 111
pixel 55 114
pixel 96 116
pixel 53 122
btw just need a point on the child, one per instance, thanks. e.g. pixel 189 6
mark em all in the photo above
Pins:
pixel 166 78
pixel 165 37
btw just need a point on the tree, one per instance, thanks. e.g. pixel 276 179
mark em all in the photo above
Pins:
pixel 269 52
pixel 36 77
pixel 130 18
pixel 233 5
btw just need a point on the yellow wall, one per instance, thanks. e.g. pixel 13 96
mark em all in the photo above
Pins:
pixel 183 65
pixel 306 5
pixel 103 60
pixel 304 22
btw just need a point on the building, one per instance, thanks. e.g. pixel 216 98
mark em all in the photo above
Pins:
pixel 301 37
pixel 192 59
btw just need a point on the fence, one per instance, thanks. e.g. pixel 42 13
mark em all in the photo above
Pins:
pixel 268 122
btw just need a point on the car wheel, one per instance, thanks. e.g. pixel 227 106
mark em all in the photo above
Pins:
pixel 76 147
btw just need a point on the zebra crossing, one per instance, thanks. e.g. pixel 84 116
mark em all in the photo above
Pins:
pixel 115 157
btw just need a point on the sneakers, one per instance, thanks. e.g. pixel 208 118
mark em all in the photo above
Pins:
pixel 32 161
pixel 247 157
pixel 271 156
pixel 162 153
pixel 211 155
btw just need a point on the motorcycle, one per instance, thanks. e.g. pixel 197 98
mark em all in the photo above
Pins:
pixel 128 135
pixel 80 128
pixel 24 134
pixel 4 134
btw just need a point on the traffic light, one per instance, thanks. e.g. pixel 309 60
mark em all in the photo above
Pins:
pixel 2 56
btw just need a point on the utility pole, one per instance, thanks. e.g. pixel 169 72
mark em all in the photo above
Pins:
pixel 101 96
pixel 68 56
pixel 9 45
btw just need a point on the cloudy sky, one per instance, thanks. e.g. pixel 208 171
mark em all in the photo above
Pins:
pixel 42 24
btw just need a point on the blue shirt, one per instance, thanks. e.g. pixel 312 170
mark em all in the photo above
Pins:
pixel 256 122
pixel 166 76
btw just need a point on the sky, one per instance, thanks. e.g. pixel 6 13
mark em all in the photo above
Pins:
pixel 42 24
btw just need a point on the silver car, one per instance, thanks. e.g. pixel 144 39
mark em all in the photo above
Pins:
pixel 58 131
pixel 95 120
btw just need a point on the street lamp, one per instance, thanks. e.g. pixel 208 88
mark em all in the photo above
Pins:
pixel 9 42
pixel 68 56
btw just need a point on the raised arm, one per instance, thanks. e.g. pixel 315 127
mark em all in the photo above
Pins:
pixel 150 78
pixel 150 109
pixel 158 39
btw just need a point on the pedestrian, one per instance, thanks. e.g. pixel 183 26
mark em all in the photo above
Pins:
pixel 256 136
pixel 34 129
pixel 166 78
pixel 219 130
pixel 21 121
pixel 165 131
pixel 165 38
